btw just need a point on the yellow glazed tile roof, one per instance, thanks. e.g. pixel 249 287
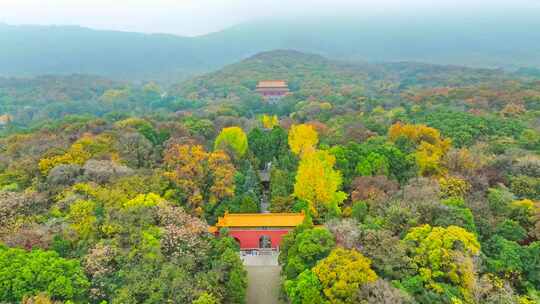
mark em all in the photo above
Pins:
pixel 272 84
pixel 4 119
pixel 260 220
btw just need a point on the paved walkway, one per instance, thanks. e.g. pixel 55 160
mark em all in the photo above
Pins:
pixel 263 268
pixel 265 175
pixel 263 276
pixel 264 258
pixel 263 284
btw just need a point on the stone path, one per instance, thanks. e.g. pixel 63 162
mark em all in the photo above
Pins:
pixel 263 269
pixel 264 175
pixel 263 284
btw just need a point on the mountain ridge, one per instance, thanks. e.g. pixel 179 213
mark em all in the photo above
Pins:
pixel 36 50
pixel 305 72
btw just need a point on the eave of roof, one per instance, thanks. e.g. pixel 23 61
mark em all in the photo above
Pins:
pixel 272 84
pixel 260 220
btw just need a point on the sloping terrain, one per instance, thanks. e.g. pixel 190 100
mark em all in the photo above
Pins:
pixel 493 41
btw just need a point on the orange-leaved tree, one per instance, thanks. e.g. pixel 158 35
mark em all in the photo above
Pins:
pixel 203 177
pixel 429 145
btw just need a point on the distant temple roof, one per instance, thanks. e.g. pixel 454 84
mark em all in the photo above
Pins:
pixel 5 119
pixel 260 220
pixel 272 84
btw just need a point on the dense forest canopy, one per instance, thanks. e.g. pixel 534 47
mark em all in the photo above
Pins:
pixel 420 182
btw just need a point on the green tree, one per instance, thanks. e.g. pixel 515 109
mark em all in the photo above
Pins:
pixel 526 186
pixel 373 164
pixel 268 145
pixel 308 247
pixel 499 200
pixel 505 258
pixel 532 260
pixel 305 289
pixel 235 280
pixel 232 139
pixel 359 211
pixel 511 230
pixel 530 139
pixel 456 214
pixel 29 273
pixel 392 161
pixel 206 298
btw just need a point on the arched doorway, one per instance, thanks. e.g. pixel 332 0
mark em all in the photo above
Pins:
pixel 265 242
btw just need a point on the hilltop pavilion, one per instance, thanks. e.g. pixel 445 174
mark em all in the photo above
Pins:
pixel 5 119
pixel 272 90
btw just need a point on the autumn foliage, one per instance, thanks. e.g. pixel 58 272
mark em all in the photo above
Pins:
pixel 342 273
pixel 318 183
pixel 204 177
pixel 444 254
pixel 232 139
pixel 419 184
pixel 430 147
pixel 302 139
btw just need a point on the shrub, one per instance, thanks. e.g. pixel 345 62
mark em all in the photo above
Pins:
pixel 29 273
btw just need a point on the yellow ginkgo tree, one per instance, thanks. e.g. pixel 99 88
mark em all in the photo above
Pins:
pixel 443 255
pixel 342 273
pixel 303 139
pixel 82 150
pixel 269 121
pixel 318 183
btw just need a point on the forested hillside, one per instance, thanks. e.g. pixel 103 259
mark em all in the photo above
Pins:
pixel 499 39
pixel 421 184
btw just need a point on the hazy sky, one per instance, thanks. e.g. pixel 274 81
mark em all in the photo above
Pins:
pixel 195 17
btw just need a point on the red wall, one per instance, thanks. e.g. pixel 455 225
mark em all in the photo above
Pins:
pixel 250 238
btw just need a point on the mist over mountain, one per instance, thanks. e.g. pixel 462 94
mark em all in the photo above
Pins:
pixel 489 41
